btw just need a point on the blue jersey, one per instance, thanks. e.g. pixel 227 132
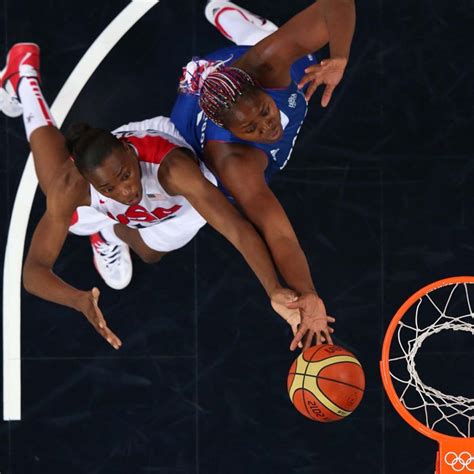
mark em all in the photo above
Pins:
pixel 197 129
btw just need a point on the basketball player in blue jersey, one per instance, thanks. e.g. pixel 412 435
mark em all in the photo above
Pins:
pixel 143 179
pixel 241 109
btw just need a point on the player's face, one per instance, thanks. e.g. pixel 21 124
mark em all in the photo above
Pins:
pixel 119 177
pixel 256 118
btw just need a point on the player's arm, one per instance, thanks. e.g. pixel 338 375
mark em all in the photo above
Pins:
pixel 181 175
pixel 326 21
pixel 48 240
pixel 241 169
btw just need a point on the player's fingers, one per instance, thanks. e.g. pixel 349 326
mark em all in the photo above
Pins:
pixel 295 342
pixel 93 315
pixel 111 338
pixel 300 344
pixel 95 294
pixel 298 337
pixel 308 340
pixel 327 95
pixel 305 340
pixel 308 78
pixel 294 328
pixel 294 304
pixel 304 80
pixel 311 74
pixel 328 337
pixel 314 78
pixel 311 90
pixel 315 68
pixel 331 330
pixel 331 319
pixel 99 317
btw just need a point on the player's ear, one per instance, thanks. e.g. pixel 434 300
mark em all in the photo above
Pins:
pixel 127 148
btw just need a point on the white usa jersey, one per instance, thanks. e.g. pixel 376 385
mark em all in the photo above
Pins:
pixel 151 140
pixel 178 221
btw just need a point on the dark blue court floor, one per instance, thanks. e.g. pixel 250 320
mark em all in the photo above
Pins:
pixel 379 189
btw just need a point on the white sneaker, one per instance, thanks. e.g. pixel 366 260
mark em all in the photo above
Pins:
pixel 112 261
pixel 23 60
pixel 215 7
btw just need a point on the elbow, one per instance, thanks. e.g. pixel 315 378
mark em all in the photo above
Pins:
pixel 28 277
pixel 27 280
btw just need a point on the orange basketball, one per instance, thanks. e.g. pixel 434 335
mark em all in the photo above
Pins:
pixel 326 383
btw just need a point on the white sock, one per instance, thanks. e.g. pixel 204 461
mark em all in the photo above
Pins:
pixel 233 24
pixel 109 235
pixel 36 112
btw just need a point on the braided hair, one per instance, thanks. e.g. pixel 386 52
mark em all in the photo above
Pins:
pixel 89 146
pixel 218 86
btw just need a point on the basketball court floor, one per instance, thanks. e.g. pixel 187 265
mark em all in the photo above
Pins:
pixel 380 192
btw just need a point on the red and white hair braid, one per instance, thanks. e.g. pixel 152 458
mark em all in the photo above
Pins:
pixel 218 86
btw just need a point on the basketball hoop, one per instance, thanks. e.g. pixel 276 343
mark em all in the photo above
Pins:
pixel 444 305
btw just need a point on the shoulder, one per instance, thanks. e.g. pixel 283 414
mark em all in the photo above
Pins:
pixel 152 139
pixel 179 171
pixel 150 148
pixel 222 155
pixel 268 62
pixel 240 168
pixel 68 191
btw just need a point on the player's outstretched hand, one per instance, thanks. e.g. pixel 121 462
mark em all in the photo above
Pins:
pixel 328 72
pixel 314 321
pixel 89 306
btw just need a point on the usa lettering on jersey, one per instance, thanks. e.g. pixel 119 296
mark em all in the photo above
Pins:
pixel 136 216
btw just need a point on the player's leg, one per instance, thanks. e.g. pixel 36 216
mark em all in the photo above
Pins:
pixel 237 24
pixel 110 244
pixel 111 256
pixel 110 247
pixel 21 93
pixel 134 239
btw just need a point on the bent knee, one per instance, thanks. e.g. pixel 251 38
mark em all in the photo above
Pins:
pixel 151 256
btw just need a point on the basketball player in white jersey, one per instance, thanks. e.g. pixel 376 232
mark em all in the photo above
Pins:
pixel 144 178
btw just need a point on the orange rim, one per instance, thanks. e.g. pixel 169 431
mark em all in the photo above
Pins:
pixel 385 364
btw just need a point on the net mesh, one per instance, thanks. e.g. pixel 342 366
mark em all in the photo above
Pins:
pixel 442 412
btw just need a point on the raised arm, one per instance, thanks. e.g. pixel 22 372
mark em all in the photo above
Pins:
pixel 180 175
pixel 48 240
pixel 326 21
pixel 241 171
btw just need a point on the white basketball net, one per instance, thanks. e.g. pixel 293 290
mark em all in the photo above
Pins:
pixel 430 404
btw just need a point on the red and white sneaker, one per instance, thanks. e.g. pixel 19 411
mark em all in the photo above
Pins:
pixel 112 261
pixel 215 8
pixel 23 60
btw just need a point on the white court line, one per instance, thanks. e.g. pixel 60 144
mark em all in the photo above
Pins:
pixel 24 200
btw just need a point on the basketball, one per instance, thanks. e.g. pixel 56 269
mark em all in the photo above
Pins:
pixel 326 383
